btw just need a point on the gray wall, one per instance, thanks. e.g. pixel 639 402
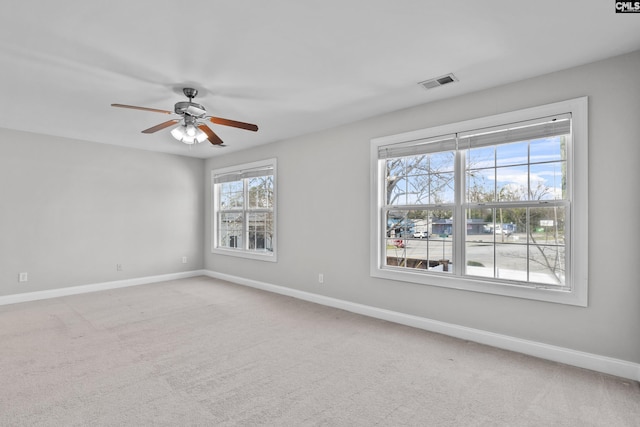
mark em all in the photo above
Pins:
pixel 323 202
pixel 71 210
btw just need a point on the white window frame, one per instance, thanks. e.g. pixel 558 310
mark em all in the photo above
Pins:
pixel 244 252
pixel 575 291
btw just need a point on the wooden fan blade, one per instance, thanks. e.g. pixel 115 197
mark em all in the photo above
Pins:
pixel 233 123
pixel 213 138
pixel 133 107
pixel 161 126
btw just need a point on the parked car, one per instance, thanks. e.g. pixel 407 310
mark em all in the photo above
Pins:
pixel 506 229
pixel 421 235
pixel 398 243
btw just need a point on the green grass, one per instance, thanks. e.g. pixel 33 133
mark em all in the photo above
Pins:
pixel 475 264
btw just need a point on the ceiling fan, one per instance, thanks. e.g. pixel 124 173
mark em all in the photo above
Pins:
pixel 190 129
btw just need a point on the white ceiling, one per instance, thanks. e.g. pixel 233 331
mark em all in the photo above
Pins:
pixel 292 67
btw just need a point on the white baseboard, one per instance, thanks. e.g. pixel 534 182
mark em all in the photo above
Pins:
pixel 594 362
pixel 73 290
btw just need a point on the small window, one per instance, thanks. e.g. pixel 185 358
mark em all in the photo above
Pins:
pixel 244 209
pixel 493 205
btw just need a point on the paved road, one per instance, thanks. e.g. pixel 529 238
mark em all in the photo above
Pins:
pixel 511 256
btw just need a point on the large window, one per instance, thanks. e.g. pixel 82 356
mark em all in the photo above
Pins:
pixel 244 201
pixel 494 205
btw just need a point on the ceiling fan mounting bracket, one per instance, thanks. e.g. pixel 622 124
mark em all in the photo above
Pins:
pixel 190 92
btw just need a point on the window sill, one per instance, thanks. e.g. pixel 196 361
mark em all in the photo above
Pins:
pixel 260 256
pixel 446 280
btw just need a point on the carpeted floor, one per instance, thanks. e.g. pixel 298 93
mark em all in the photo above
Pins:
pixel 201 352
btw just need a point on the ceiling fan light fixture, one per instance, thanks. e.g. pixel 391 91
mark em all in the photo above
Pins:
pixel 188 134
pixel 190 129
pixel 200 136
pixel 178 132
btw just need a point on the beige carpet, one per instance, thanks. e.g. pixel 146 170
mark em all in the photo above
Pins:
pixel 201 352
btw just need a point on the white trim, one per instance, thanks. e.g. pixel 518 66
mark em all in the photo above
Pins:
pixel 594 362
pixel 94 287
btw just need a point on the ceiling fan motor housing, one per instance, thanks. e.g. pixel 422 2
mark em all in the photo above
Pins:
pixel 190 109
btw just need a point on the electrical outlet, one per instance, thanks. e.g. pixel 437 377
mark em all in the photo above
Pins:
pixel 184 259
pixel 24 277
pixel 118 267
pixel 320 278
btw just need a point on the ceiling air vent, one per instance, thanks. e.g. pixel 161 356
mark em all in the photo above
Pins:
pixel 438 81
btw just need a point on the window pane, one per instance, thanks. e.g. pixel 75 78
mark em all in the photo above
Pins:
pixel 512 154
pixel 480 185
pixel 511 261
pixel 548 149
pixel 260 191
pixel 398 229
pixel 483 157
pixel 441 240
pixel 395 167
pixel 547 226
pixel 547 264
pixel 230 230
pixel 395 252
pixel 397 224
pixel 442 223
pixel 512 183
pixel 397 190
pixel 441 252
pixel 420 223
pixel 260 226
pixel 442 162
pixel 395 182
pixel 416 165
pixel 548 181
pixel 479 244
pixel 442 188
pixel 480 225
pixel 521 244
pixel 511 225
pixel 496 243
pixel 418 189
pixel 411 242
pixel 424 179
pixel 480 259
pixel 231 195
